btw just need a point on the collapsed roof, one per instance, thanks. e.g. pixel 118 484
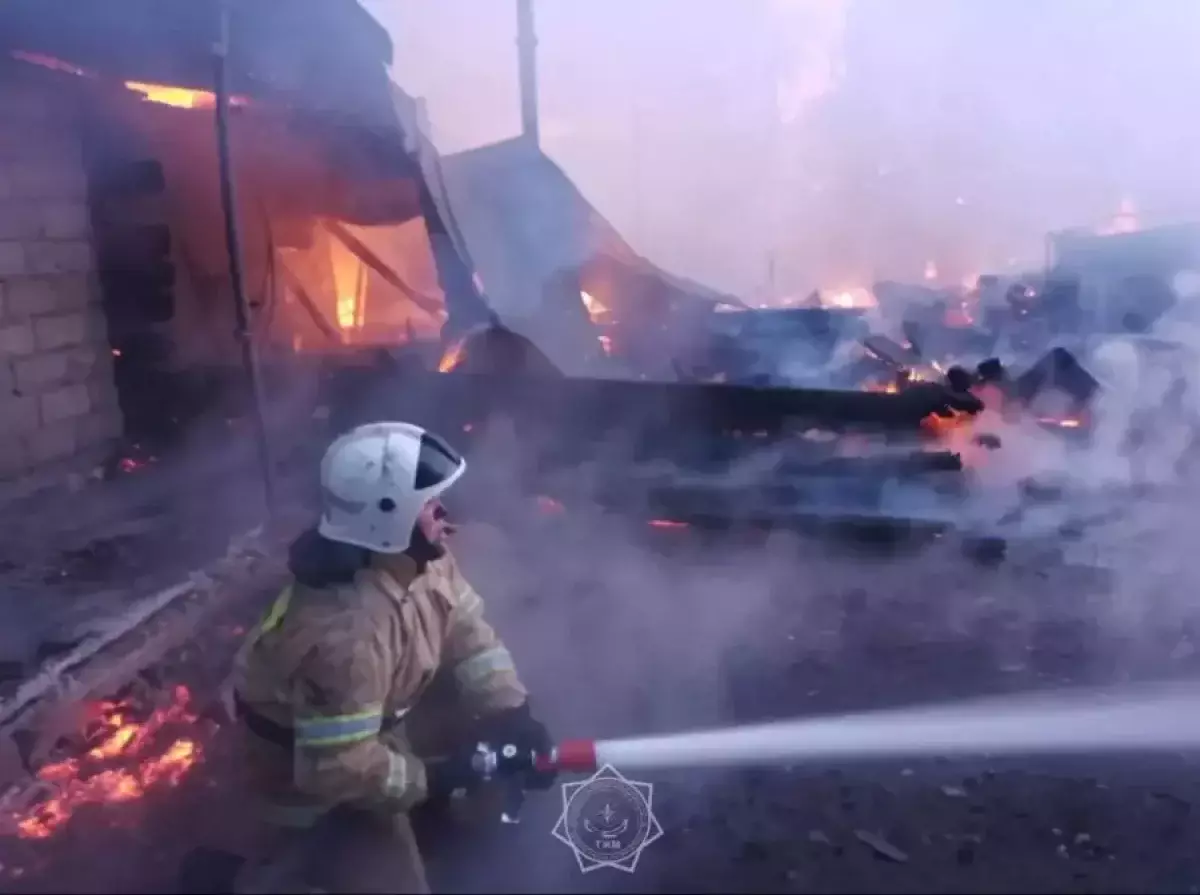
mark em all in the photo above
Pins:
pixel 536 242
pixel 525 222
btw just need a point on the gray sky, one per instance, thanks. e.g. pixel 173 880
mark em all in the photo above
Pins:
pixel 851 139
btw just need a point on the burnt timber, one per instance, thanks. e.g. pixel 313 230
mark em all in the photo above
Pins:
pixel 679 451
pixel 597 409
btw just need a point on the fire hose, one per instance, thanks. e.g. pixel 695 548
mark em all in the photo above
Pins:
pixel 1162 718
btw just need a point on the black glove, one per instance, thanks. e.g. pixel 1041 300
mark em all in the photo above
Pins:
pixel 519 728
pixel 451 772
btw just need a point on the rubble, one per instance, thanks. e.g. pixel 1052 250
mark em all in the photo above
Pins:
pixel 1058 369
pixel 903 397
pixel 895 369
pixel 50 678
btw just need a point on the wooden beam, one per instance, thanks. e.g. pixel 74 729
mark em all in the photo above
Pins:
pixel 293 283
pixel 425 302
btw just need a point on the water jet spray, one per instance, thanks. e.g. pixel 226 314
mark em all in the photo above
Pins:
pixel 1153 718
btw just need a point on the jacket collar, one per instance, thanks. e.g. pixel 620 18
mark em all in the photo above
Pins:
pixel 394 574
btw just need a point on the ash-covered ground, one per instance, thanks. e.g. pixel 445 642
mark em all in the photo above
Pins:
pixel 623 631
pixel 71 558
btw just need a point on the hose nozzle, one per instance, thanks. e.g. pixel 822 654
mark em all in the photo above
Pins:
pixel 510 764
pixel 571 756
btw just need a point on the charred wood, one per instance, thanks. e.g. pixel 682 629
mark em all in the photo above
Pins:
pixel 990 370
pixel 787 505
pixel 596 410
pixel 898 465
pixel 893 353
pixel 959 379
pixel 1058 369
pixel 833 489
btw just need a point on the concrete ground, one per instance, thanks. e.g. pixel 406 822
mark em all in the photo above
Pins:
pixel 623 630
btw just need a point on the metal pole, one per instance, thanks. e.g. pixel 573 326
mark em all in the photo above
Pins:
pixel 527 68
pixel 775 185
pixel 233 244
pixel 639 207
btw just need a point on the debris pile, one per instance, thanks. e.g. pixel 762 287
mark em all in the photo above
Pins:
pixel 900 404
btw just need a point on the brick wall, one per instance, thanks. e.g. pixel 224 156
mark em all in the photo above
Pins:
pixel 57 399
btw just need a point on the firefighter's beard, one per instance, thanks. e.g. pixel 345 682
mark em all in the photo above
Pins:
pixel 422 549
pixel 430 532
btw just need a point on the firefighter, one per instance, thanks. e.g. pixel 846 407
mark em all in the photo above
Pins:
pixel 337 688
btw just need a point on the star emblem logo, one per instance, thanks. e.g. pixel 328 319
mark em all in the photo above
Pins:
pixel 607 821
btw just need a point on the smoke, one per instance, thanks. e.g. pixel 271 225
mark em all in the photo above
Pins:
pixel 629 622
pixel 848 140
pixel 835 145
pixel 655 620
pixel 623 629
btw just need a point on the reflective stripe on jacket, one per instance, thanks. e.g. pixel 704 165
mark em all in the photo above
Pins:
pixel 336 666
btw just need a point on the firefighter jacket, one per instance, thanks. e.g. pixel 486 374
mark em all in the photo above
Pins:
pixel 336 667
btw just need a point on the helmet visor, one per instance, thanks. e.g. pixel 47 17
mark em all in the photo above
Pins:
pixel 436 462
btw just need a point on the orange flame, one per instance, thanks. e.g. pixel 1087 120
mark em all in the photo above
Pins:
pixel 350 286
pixel 164 94
pixel 180 97
pixel 122 767
pixel 597 311
pixel 453 356
pixel 941 425
pixel 600 315
pixel 848 298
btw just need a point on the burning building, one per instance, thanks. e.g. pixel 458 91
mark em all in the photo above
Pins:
pixel 120 304
pixel 118 314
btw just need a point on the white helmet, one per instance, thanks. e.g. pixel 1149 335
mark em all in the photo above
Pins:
pixel 376 479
